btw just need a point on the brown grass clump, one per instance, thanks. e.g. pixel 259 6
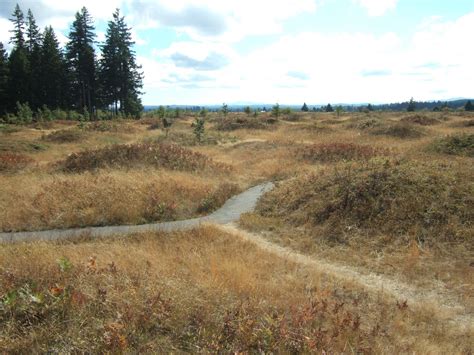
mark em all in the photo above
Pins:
pixel 65 136
pixel 16 146
pixel 168 156
pixel 13 162
pixel 398 130
pixel 108 198
pixel 421 120
pixel 363 124
pixel 333 152
pixel 436 202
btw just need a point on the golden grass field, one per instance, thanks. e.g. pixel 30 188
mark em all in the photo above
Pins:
pixel 389 194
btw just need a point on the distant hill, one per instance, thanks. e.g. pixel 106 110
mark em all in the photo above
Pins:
pixel 398 106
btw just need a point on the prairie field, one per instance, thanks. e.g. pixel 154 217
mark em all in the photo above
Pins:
pixel 364 245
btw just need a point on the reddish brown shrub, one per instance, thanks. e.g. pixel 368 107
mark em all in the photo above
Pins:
pixel 13 162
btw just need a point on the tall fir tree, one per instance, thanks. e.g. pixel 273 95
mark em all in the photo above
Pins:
pixel 82 63
pixel 18 64
pixel 3 80
pixel 33 47
pixel 120 76
pixel 52 74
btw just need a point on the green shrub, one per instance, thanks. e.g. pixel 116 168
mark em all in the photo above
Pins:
pixel 459 144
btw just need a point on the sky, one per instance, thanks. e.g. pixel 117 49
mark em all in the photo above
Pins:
pixel 286 51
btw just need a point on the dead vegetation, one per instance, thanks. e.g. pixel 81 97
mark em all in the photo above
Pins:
pixel 333 152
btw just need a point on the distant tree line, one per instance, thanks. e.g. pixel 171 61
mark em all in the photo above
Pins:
pixel 39 78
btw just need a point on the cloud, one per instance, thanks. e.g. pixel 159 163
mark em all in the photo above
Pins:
pixel 298 75
pixel 377 7
pixel 213 61
pixel 376 73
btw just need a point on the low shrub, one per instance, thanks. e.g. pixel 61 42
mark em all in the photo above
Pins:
pixel 218 197
pixel 433 202
pixel 64 136
pixel 21 146
pixel 421 120
pixel 400 130
pixel 459 144
pixel 332 152
pixel 116 126
pixel 13 162
pixel 233 123
pixel 364 124
pixel 168 156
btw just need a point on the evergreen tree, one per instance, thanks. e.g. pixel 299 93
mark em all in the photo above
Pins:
pixel 469 106
pixel 370 107
pixel 247 110
pixel 52 71
pixel 33 49
pixel 18 64
pixel 119 75
pixel 3 80
pixel 81 58
pixel 276 110
pixel 329 108
pixel 305 108
pixel 225 109
pixel 411 105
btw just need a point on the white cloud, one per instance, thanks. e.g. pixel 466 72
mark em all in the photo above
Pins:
pixel 377 7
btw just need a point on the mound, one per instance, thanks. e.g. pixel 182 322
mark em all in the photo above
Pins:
pixel 332 152
pixel 398 130
pixel 421 120
pixel 64 136
pixel 168 156
pixel 394 199
pixel 233 123
pixel 13 162
pixel 460 144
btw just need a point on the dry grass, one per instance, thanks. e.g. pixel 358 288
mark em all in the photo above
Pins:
pixel 168 293
pixel 107 198
pixel 333 152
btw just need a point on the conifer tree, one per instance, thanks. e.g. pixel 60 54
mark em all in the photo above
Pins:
pixel 329 108
pixel 305 108
pixel 33 48
pixel 411 105
pixel 81 60
pixel 119 74
pixel 52 71
pixel 469 106
pixel 3 80
pixel 18 64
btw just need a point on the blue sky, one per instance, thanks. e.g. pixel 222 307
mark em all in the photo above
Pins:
pixel 317 51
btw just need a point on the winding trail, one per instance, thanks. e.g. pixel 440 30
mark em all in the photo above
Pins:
pixel 229 212
pixel 224 218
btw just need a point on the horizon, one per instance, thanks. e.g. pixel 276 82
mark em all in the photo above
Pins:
pixel 354 51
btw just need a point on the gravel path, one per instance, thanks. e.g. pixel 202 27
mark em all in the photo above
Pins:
pixel 229 212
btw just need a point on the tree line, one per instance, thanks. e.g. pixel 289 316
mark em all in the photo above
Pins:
pixel 39 77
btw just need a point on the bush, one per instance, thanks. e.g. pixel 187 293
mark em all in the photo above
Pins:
pixel 134 155
pixel 460 144
pixel 433 202
pixel 364 124
pixel 13 162
pixel 64 136
pixel 332 152
pixel 24 113
pixel 398 130
pixel 217 198
pixel 421 120
pixel 234 123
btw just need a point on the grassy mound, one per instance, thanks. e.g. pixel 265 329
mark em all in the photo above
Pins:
pixel 331 152
pixel 13 162
pixel 434 202
pixel 65 136
pixel 421 120
pixel 15 146
pixel 363 124
pixel 398 130
pixel 460 144
pixel 110 126
pixel 234 123
pixel 168 156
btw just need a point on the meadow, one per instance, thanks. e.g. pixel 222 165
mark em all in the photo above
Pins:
pixel 386 196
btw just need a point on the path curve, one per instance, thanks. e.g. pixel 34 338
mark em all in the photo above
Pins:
pixel 228 213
